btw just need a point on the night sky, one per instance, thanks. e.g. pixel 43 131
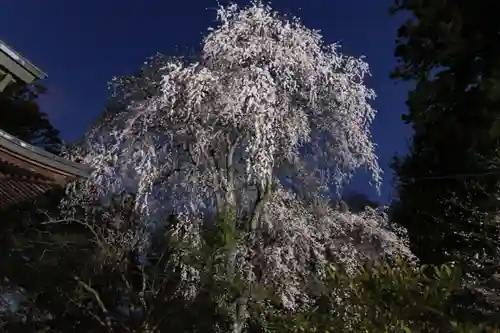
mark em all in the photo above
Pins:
pixel 82 44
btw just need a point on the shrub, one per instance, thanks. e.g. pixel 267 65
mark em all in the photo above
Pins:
pixel 385 297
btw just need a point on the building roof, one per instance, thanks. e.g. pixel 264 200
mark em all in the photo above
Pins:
pixel 27 171
pixel 16 187
pixel 14 59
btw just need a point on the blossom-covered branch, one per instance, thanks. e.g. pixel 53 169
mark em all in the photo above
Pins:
pixel 266 99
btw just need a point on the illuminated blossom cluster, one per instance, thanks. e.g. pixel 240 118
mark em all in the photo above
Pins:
pixel 267 119
pixel 265 100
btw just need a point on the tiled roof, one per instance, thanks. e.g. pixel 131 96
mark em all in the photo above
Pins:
pixel 16 188
pixel 27 172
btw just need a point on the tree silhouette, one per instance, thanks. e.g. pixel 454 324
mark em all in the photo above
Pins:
pixel 20 115
pixel 448 183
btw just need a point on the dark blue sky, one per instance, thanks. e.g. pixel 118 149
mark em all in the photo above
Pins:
pixel 82 44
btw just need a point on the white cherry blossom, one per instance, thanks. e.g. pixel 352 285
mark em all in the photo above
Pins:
pixel 268 119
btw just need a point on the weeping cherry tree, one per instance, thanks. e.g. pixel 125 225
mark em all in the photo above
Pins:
pixel 266 105
pixel 267 120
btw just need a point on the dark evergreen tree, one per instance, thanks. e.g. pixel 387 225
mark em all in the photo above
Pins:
pixel 20 115
pixel 448 183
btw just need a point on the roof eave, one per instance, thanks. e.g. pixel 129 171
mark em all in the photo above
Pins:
pixel 43 157
pixel 22 61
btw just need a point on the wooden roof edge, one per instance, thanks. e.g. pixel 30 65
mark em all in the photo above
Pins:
pixel 27 178
pixel 22 61
pixel 42 157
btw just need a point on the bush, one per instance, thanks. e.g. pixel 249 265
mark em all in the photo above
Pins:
pixel 385 297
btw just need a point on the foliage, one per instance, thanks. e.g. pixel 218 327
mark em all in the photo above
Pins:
pixel 84 276
pixel 386 297
pixel 75 277
pixel 21 116
pixel 448 183
pixel 80 276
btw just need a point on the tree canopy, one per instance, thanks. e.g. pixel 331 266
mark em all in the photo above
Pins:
pixel 448 183
pixel 21 116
